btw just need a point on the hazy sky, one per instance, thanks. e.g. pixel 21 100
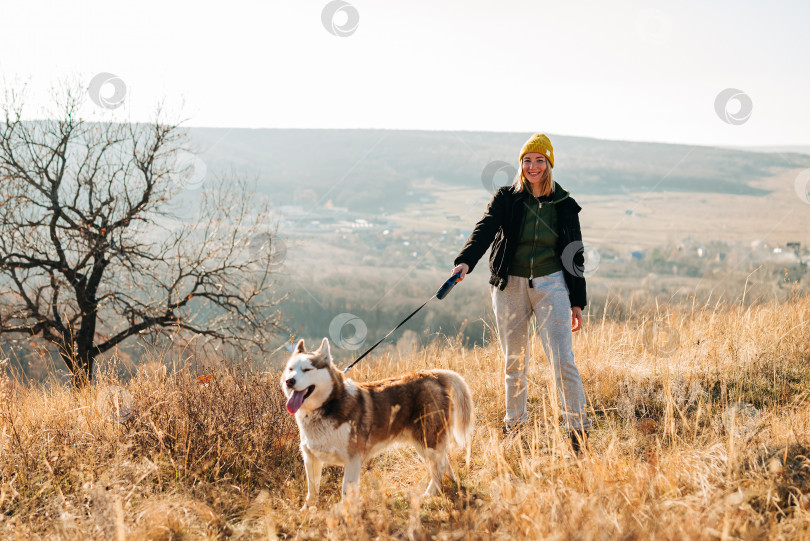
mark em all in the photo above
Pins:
pixel 634 70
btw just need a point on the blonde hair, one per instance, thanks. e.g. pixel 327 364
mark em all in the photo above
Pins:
pixel 547 182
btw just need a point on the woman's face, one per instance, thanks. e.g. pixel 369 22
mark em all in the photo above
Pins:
pixel 534 167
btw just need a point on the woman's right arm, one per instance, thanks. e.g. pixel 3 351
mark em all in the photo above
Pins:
pixel 483 234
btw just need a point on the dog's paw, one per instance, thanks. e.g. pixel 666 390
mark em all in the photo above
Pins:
pixel 309 506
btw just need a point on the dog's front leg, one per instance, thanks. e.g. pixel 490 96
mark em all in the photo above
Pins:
pixel 313 467
pixel 351 475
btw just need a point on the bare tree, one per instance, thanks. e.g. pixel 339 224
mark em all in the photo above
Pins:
pixel 94 250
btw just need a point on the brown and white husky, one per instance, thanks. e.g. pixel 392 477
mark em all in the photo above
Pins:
pixel 345 423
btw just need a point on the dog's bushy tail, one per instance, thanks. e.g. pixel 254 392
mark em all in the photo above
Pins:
pixel 462 409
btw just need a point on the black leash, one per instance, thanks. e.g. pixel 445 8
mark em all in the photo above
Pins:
pixel 442 293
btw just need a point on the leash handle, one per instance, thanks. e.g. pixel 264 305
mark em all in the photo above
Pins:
pixel 448 285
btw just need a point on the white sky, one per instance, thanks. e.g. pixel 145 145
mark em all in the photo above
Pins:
pixel 633 70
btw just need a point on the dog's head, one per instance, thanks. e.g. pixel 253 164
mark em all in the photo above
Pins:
pixel 309 378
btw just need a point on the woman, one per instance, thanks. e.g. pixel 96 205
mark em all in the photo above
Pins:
pixel 529 225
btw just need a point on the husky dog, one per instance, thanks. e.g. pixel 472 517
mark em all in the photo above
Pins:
pixel 343 422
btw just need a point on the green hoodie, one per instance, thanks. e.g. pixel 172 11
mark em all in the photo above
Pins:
pixel 535 254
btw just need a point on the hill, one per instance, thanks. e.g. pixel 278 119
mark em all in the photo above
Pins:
pixel 364 170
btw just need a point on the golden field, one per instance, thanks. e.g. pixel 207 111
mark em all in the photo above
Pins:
pixel 702 432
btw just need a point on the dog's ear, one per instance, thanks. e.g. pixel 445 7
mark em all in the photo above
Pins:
pixel 324 349
pixel 299 347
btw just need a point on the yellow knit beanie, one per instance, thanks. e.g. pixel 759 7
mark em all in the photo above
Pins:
pixel 538 143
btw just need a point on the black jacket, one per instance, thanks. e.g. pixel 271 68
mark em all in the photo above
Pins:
pixel 500 227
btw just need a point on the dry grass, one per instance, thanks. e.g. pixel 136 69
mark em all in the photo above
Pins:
pixel 700 439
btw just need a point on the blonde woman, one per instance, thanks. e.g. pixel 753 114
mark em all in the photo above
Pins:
pixel 529 226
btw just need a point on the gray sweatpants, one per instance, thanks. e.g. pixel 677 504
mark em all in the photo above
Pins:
pixel 548 301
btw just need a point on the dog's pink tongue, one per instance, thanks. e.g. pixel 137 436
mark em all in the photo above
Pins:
pixel 295 401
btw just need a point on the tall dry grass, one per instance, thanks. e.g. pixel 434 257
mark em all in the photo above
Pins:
pixel 701 414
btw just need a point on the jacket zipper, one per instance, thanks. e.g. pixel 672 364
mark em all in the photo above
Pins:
pixel 534 243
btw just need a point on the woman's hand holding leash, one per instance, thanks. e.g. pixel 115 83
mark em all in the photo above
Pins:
pixel 576 318
pixel 462 269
